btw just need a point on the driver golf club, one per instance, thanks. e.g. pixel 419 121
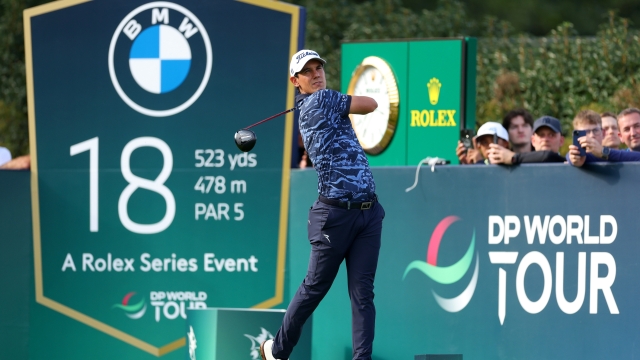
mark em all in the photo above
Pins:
pixel 246 139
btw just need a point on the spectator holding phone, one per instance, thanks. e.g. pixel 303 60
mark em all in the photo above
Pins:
pixel 489 133
pixel 629 123
pixel 475 150
pixel 519 126
pixel 547 139
pixel 587 131
pixel 610 130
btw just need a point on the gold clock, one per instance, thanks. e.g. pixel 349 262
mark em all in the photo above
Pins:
pixel 374 78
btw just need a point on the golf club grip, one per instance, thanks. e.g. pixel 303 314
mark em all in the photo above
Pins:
pixel 269 118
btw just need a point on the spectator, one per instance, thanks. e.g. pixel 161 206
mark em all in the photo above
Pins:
pixel 629 124
pixel 519 124
pixel 484 139
pixel 589 121
pixel 610 130
pixel 5 155
pixel 475 154
pixel 546 139
pixel 547 134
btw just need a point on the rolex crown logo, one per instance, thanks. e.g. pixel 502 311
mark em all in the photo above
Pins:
pixel 434 86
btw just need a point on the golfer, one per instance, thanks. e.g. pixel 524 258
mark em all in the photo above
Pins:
pixel 345 223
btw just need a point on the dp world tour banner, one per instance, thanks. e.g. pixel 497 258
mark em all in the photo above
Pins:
pixel 494 262
pixel 143 208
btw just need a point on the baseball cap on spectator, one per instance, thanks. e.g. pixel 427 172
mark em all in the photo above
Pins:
pixel 548 121
pixel 490 128
pixel 299 59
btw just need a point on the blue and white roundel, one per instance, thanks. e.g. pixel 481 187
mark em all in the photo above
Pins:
pixel 160 59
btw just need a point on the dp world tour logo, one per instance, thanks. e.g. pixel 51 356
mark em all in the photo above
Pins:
pixel 132 310
pixel 448 274
pixel 160 59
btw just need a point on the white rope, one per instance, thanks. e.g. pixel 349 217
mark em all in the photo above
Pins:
pixel 432 161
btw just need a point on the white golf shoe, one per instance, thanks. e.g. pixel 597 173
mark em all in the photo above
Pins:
pixel 266 350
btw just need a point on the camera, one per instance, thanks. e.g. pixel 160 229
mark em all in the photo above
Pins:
pixel 576 135
pixel 466 138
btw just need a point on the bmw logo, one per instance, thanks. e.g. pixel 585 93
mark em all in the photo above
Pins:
pixel 160 59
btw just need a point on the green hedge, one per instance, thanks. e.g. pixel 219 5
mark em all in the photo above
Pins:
pixel 557 75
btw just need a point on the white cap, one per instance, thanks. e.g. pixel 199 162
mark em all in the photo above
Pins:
pixel 301 58
pixel 490 128
pixel 5 156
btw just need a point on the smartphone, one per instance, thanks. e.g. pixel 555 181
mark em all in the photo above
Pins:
pixel 578 134
pixel 495 138
pixel 466 138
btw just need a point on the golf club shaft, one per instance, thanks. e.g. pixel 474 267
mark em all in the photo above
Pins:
pixel 269 118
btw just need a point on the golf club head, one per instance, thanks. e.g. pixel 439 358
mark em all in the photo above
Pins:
pixel 245 140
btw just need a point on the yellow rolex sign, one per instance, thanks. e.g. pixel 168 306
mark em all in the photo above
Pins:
pixel 436 98
pixel 433 117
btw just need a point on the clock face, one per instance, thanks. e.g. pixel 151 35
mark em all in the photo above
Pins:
pixel 374 78
pixel 371 127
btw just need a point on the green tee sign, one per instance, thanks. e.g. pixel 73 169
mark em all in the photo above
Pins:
pixel 219 334
pixel 143 208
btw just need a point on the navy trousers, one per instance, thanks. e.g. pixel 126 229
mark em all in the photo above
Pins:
pixel 337 234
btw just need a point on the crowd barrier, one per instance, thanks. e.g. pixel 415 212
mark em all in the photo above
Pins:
pixel 490 262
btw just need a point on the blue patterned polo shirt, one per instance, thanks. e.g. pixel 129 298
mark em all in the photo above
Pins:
pixel 332 145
